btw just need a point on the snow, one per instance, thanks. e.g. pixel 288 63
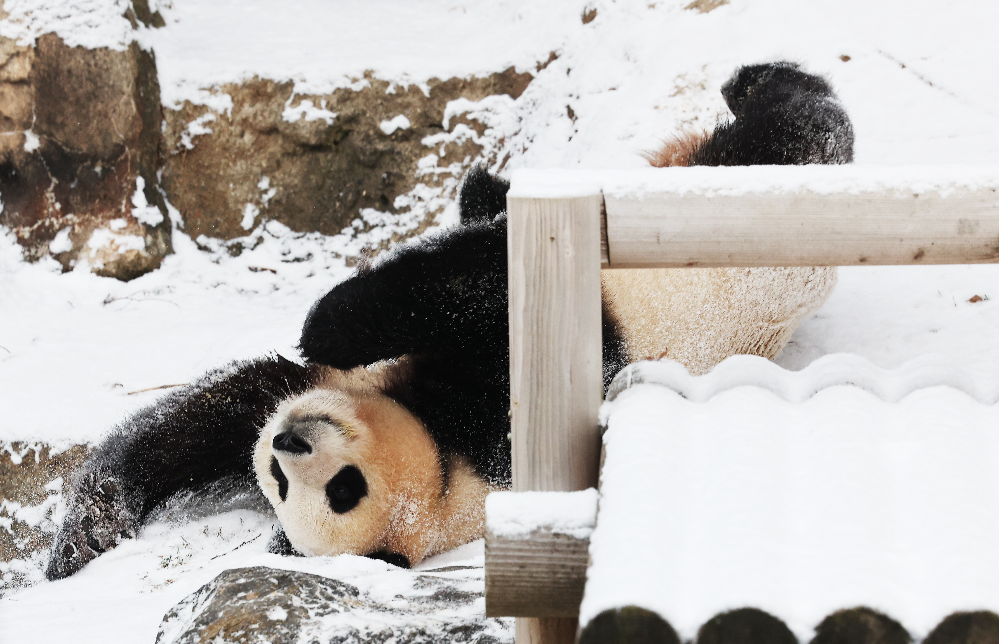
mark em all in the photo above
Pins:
pixel 306 110
pixel 31 141
pixel 518 514
pixel 904 181
pixel 80 23
pixel 78 352
pixel 832 370
pixel 90 349
pixel 121 597
pixel 142 210
pixel 395 123
pixel 797 508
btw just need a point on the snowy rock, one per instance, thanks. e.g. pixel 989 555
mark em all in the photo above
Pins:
pixel 326 157
pixel 278 606
pixel 82 137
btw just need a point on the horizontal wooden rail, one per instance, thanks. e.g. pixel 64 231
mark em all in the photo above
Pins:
pixel 785 215
pixel 671 230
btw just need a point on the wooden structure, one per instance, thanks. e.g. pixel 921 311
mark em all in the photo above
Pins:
pixel 564 226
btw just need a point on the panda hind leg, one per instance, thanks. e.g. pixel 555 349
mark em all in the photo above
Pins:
pixel 198 438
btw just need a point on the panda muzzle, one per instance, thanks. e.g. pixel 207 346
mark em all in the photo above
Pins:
pixel 292 443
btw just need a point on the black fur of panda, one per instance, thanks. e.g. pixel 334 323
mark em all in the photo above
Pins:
pixel 407 360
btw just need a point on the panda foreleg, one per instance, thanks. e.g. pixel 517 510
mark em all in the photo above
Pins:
pixel 185 441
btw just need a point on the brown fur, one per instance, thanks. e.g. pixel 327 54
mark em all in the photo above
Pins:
pixel 409 509
pixel 676 151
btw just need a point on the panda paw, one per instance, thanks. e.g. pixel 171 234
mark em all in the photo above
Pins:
pixel 100 515
pixel 280 545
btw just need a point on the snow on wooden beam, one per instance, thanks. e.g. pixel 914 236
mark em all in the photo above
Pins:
pixel 786 215
pixel 537 546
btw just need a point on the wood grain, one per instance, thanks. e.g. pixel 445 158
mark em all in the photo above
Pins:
pixel 538 575
pixel 669 230
pixel 555 341
pixel 554 285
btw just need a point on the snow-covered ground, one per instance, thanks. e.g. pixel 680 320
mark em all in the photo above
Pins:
pixel 77 351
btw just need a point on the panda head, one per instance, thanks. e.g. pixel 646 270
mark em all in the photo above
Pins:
pixel 351 471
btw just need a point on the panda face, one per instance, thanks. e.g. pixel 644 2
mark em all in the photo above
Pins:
pixel 352 472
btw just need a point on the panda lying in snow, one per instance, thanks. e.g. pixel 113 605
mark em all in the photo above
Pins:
pixel 387 441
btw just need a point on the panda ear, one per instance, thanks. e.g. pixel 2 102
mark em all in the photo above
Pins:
pixel 483 195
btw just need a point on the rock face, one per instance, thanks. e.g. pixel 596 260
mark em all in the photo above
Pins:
pixel 279 606
pixel 86 144
pixel 313 162
pixel 33 479
pixel 79 155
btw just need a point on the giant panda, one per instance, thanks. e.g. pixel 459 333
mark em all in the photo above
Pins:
pixel 387 439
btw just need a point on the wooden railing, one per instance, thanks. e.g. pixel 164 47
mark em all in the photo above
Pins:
pixel 565 226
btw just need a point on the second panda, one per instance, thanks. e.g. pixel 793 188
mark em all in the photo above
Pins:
pixel 387 440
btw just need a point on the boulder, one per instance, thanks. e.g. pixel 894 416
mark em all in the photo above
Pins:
pixel 262 604
pixel 79 155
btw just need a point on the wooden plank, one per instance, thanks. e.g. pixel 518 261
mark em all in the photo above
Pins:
pixel 539 575
pixel 555 341
pixel 554 286
pixel 804 229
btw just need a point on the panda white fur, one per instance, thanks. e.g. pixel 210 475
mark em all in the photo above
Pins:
pixel 387 440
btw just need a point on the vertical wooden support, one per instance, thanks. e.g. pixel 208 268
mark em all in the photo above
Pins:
pixel 554 284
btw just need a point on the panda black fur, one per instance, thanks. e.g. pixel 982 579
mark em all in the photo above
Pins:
pixel 408 358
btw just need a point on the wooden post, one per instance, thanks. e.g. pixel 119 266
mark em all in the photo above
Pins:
pixel 554 285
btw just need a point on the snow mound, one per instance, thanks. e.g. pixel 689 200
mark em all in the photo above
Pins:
pixel 841 369
pixel 518 514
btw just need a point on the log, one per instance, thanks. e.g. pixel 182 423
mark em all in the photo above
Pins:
pixel 555 341
pixel 787 215
pixel 808 229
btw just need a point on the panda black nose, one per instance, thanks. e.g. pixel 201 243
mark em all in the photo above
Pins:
pixel 291 442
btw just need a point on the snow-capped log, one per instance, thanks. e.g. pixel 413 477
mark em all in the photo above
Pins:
pixel 798 494
pixel 785 215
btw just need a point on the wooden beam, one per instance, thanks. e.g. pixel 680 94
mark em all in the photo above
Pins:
pixel 554 286
pixel 669 230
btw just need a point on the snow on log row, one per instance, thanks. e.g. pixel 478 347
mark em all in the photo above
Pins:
pixel 797 493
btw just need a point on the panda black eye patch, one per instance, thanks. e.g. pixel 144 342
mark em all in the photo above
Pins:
pixel 280 477
pixel 346 489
